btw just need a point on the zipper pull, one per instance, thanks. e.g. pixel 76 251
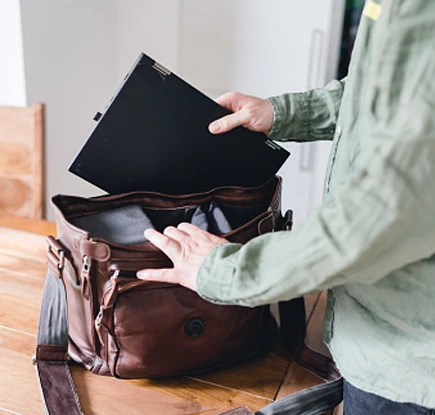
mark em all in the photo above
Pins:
pixel 98 322
pixel 110 291
pixel 115 276
pixel 84 276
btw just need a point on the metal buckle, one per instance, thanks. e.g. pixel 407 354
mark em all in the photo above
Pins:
pixel 61 259
pixel 56 250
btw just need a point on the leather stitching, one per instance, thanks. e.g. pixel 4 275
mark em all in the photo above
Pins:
pixel 260 224
pixel 73 389
pixel 95 250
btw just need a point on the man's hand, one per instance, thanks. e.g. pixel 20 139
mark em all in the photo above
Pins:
pixel 186 246
pixel 254 113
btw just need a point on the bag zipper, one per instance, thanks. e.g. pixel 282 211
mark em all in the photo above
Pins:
pixel 105 306
pixel 84 276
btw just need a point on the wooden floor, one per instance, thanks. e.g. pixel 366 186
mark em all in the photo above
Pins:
pixel 22 271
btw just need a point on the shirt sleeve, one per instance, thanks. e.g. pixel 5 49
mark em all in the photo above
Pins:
pixel 307 116
pixel 379 219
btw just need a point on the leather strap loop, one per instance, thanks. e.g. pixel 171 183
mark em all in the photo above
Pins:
pixel 269 223
pixel 54 245
pixel 55 255
pixel 51 353
pixel 95 250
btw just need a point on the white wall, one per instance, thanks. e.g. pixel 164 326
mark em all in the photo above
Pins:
pixel 12 80
pixel 71 67
pixel 76 54
pixel 264 49
pixel 147 26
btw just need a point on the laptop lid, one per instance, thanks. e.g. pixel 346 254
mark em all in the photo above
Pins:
pixel 153 136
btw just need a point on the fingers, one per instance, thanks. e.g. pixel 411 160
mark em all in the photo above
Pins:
pixel 199 235
pixel 227 123
pixel 176 233
pixel 188 228
pixel 168 245
pixel 163 275
pixel 230 101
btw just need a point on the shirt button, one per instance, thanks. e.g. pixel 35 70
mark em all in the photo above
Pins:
pixel 339 131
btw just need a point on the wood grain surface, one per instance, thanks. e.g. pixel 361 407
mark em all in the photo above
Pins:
pixel 254 383
pixel 21 160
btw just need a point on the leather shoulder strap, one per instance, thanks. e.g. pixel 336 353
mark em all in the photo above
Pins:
pixel 311 401
pixel 58 392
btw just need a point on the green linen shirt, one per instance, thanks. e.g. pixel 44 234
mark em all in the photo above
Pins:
pixel 372 242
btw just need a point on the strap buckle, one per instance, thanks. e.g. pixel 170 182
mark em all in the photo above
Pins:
pixel 55 252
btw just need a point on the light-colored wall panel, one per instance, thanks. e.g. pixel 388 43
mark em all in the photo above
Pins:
pixel 70 64
pixel 12 80
pixel 146 26
pixel 265 49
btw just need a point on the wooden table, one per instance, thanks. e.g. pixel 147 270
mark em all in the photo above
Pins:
pixel 255 383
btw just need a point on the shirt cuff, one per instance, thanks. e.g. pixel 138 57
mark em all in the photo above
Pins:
pixel 291 116
pixel 307 116
pixel 215 277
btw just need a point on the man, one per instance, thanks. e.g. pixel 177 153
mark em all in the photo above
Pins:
pixel 372 243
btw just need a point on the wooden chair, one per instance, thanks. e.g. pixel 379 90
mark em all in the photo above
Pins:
pixel 21 161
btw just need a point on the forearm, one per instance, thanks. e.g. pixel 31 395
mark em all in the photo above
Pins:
pixel 379 220
pixel 307 116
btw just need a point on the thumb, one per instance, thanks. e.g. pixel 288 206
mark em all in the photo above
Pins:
pixel 227 123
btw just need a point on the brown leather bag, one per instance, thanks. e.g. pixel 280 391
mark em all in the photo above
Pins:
pixel 98 313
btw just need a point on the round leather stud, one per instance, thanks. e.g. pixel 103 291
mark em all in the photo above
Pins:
pixel 194 327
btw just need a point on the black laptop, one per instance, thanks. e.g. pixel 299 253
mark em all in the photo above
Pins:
pixel 153 136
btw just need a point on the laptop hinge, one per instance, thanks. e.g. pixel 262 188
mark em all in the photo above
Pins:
pixel 161 69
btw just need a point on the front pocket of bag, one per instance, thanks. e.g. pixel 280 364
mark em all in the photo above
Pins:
pixel 171 331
